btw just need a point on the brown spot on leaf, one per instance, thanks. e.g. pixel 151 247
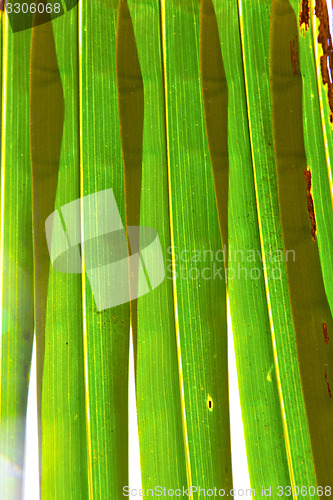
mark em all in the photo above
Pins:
pixel 328 385
pixel 308 178
pixel 304 16
pixel 294 57
pixel 326 337
pixel 325 39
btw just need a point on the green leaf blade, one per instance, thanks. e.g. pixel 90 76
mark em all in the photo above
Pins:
pixel 162 454
pixel 259 395
pixel 202 334
pixel 16 260
pixel 63 424
pixel 106 333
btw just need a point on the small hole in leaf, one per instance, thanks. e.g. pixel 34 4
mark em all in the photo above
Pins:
pixel 210 403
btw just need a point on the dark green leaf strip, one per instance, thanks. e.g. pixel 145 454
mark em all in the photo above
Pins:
pixel 131 110
pixel 46 129
pixel 215 101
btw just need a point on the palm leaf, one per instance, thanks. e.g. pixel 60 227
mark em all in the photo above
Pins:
pixel 210 121
pixel 259 395
pixel 192 401
pixel 310 306
pixel 63 422
pixel 200 305
pixel 287 297
pixel 16 261
pixel 84 349
pixel 106 334
pixel 162 454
